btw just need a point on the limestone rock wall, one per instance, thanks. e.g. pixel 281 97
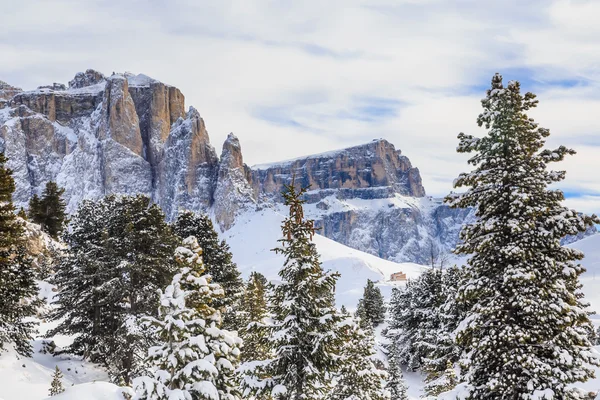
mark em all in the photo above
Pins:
pixel 130 134
pixel 366 168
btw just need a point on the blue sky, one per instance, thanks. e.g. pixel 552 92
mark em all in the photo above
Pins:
pixel 298 77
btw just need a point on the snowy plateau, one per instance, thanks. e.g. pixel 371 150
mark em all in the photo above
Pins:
pixel 128 134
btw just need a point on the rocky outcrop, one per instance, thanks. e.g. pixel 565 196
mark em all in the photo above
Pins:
pixel 7 92
pixel 60 105
pixel 376 169
pixel 158 106
pixel 130 134
pixel 233 191
pixel 84 79
pixel 188 168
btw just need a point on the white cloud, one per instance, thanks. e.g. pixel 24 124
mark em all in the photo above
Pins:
pixel 293 78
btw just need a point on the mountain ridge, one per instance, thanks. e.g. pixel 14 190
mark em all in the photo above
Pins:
pixel 129 134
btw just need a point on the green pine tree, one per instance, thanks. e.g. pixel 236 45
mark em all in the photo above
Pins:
pixel 358 378
pixel 120 254
pixel 414 319
pixel 195 358
pixel 371 308
pixel 254 311
pixel 18 289
pixel 56 387
pixel 35 209
pixel 10 229
pixel 445 351
pixel 304 317
pixel 49 211
pixel 218 259
pixel 395 384
pixel 525 331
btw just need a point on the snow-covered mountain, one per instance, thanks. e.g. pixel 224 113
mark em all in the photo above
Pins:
pixel 129 134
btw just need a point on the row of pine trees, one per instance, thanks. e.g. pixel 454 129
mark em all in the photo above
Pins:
pixel 163 308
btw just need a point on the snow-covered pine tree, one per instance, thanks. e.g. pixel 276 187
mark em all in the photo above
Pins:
pixel 218 259
pixel 304 317
pixel 56 386
pixel 18 289
pixel 414 319
pixel 445 351
pixel 254 311
pixel 357 377
pixel 395 384
pixel 525 333
pixel 371 308
pixel 120 254
pixel 196 359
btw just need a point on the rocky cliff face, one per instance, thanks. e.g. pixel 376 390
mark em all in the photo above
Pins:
pixel 129 134
pixel 108 135
pixel 376 170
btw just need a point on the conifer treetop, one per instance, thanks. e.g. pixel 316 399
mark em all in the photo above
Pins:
pixel 525 330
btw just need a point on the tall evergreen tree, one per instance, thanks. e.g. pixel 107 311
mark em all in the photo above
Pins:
pixel 34 210
pixel 358 378
pixel 18 289
pixel 254 311
pixel 218 259
pixel 304 316
pixel 445 352
pixel 49 211
pixel 371 308
pixel 414 319
pixel 195 358
pixel 396 385
pixel 525 333
pixel 10 229
pixel 56 386
pixel 120 253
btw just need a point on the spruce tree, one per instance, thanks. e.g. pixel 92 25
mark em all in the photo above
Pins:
pixel 371 308
pixel 357 377
pixel 49 210
pixel 445 351
pixel 195 358
pixel 395 385
pixel 120 253
pixel 361 314
pixel 18 289
pixel 303 315
pixel 56 387
pixel 525 332
pixel 254 312
pixel 218 259
pixel 10 229
pixel 414 319
pixel 35 209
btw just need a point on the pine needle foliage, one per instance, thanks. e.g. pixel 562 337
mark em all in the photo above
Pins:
pixel 525 332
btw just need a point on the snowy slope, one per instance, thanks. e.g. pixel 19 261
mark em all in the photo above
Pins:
pixel 256 233
pixel 29 378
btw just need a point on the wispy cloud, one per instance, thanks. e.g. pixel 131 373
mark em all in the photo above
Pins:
pixel 292 78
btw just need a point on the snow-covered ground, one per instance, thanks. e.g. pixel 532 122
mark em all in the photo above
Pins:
pixel 256 233
pixel 23 378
